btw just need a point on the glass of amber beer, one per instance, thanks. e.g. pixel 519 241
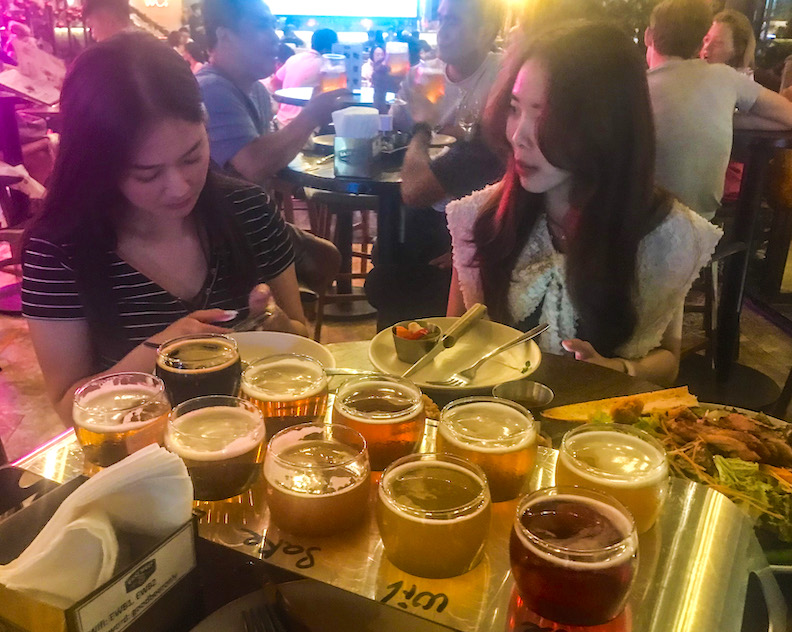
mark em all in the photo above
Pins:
pixel 115 415
pixel 317 479
pixel 574 555
pixel 397 58
pixel 387 411
pixel 200 364
pixel 289 389
pixel 430 81
pixel 220 439
pixel 332 75
pixel 625 462
pixel 497 435
pixel 433 512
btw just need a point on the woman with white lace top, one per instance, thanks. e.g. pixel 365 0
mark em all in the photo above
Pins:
pixel 575 234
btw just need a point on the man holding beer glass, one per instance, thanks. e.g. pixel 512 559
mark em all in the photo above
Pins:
pixel 435 95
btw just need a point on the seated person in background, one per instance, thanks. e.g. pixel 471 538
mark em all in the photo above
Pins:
pixel 730 40
pixel 375 63
pixel 194 55
pixel 576 235
pixel 464 41
pixel 243 47
pixel 302 70
pixel 105 18
pixel 693 104
pixel 139 241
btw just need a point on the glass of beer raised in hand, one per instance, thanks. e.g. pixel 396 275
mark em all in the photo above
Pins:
pixel 332 75
pixel 289 389
pixel 397 58
pixel 317 479
pixel 430 82
pixel 625 462
pixel 433 512
pixel 220 439
pixel 387 411
pixel 497 435
pixel 201 364
pixel 115 415
pixel 573 555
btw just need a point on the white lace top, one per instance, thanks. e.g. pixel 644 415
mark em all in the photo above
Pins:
pixel 669 260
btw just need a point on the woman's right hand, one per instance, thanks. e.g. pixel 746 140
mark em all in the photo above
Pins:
pixel 199 322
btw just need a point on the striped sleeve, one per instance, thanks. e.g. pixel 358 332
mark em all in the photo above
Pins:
pixel 266 231
pixel 49 286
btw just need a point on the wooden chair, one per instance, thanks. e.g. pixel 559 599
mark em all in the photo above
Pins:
pixel 331 216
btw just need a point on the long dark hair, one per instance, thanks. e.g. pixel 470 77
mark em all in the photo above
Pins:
pixel 113 91
pixel 597 124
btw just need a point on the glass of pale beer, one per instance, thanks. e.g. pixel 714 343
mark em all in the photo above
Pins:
pixel 625 462
pixel 332 75
pixel 430 82
pixel 197 365
pixel 221 441
pixel 433 512
pixel 317 479
pixel 289 389
pixel 388 411
pixel 497 435
pixel 397 58
pixel 115 415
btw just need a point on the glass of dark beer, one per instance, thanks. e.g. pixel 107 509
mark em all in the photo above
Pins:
pixel 197 365
pixel 221 441
pixel 574 555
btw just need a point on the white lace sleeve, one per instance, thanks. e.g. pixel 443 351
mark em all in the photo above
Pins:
pixel 461 215
pixel 669 260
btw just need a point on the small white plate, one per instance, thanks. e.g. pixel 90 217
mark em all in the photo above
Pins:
pixel 259 344
pixel 321 607
pixel 484 336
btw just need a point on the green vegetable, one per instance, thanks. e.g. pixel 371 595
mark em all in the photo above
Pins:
pixel 601 417
pixel 526 368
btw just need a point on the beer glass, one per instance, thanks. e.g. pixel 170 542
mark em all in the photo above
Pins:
pixel 574 555
pixel 115 415
pixel 317 479
pixel 220 439
pixel 433 512
pixel 497 435
pixel 289 389
pixel 387 411
pixel 197 365
pixel 430 81
pixel 332 75
pixel 625 462
pixel 397 58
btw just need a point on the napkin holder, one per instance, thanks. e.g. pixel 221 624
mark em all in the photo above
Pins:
pixel 156 591
pixel 356 157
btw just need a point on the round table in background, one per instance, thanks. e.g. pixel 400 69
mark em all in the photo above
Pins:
pixel 301 96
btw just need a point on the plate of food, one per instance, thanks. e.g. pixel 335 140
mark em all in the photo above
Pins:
pixel 260 344
pixel 482 337
pixel 743 454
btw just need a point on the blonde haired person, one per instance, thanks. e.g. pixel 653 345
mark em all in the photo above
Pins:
pixel 730 40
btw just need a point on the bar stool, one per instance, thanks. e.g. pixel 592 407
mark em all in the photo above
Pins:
pixel 323 206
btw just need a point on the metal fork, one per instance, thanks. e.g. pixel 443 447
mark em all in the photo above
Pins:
pixel 465 376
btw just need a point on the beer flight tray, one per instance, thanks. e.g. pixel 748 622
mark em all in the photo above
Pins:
pixel 694 564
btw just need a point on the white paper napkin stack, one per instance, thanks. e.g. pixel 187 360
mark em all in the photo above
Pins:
pixel 148 493
pixel 356 122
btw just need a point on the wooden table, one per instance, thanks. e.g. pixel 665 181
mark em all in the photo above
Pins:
pixel 687 581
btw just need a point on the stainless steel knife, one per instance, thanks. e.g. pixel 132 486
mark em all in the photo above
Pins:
pixel 456 331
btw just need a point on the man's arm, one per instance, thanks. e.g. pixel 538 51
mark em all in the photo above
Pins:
pixel 420 187
pixel 770 111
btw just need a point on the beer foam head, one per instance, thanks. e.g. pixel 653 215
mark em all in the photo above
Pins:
pixel 197 354
pixel 119 402
pixel 579 546
pixel 378 400
pixel 215 433
pixel 284 378
pixel 618 459
pixel 486 425
pixel 431 491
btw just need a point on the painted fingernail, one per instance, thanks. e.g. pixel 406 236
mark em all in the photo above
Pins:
pixel 228 314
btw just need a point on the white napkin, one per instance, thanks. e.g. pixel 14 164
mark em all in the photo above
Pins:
pixel 356 122
pixel 148 493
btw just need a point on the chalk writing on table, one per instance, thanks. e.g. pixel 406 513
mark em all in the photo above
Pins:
pixel 412 598
pixel 266 548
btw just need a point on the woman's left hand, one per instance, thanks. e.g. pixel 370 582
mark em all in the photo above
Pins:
pixel 261 300
pixel 587 353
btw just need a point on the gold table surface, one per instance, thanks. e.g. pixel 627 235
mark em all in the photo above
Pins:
pixel 694 564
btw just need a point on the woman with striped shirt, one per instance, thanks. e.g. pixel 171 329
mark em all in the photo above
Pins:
pixel 139 240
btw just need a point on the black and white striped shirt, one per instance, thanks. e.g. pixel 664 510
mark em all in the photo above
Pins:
pixel 50 289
